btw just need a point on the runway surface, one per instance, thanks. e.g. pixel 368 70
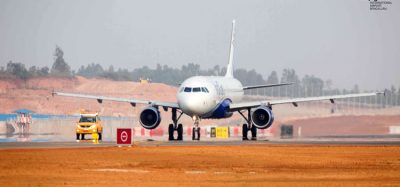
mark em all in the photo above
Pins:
pixel 204 163
pixel 149 142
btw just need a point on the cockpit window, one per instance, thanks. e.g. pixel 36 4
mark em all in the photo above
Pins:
pixel 204 89
pixel 197 89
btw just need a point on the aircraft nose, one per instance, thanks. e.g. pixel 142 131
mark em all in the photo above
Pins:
pixel 193 105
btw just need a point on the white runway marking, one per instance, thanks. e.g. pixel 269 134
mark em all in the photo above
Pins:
pixel 221 172
pixel 195 172
pixel 120 170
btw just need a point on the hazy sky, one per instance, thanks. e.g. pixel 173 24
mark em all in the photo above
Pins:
pixel 341 40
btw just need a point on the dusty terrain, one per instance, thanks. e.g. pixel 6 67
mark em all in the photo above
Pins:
pixel 254 165
pixel 344 125
pixel 35 94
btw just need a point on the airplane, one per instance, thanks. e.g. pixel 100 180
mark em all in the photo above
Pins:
pixel 213 97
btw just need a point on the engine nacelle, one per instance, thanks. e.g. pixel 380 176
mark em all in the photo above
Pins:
pixel 262 117
pixel 150 118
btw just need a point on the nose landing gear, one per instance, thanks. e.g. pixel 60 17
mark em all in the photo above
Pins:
pixel 196 128
pixel 174 126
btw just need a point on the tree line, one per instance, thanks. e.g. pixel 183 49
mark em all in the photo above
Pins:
pixel 17 70
pixel 308 85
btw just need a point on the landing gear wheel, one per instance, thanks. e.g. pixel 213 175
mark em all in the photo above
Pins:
pixel 82 136
pixel 180 132
pixel 171 132
pixel 253 132
pixel 244 132
pixel 193 133
pixel 77 136
pixel 198 133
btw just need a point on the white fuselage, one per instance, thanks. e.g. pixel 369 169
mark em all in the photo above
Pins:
pixel 200 95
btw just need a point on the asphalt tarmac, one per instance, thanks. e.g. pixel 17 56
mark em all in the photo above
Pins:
pixel 149 142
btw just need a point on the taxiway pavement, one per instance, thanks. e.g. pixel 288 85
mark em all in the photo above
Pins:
pixel 88 144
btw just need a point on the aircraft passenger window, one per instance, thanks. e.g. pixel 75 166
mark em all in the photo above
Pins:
pixel 188 89
pixel 197 89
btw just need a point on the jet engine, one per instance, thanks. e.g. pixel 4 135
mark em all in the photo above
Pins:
pixel 150 117
pixel 262 117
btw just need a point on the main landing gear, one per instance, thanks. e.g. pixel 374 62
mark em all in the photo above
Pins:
pixel 248 126
pixel 174 126
pixel 196 128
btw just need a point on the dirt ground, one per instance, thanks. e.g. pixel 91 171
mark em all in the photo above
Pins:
pixel 255 165
pixel 345 125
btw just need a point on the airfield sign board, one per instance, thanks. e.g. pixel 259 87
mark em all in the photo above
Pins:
pixel 124 136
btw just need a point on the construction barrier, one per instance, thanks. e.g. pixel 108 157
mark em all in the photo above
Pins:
pixel 286 131
pixel 213 132
pixel 157 132
pixel 394 130
pixel 206 131
pixel 222 132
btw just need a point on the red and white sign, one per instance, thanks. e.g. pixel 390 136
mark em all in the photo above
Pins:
pixel 124 136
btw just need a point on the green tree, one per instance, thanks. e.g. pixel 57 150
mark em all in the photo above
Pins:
pixel 18 70
pixel 60 67
pixel 290 76
pixel 313 86
pixel 44 71
pixel 273 79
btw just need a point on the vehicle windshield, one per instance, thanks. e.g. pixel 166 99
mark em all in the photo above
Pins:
pixel 85 119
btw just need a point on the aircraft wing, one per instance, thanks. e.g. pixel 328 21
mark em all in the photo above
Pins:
pixel 253 104
pixel 265 86
pixel 133 102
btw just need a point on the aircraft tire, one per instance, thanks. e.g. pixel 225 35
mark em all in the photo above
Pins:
pixel 253 132
pixel 82 136
pixel 170 132
pixel 198 133
pixel 180 132
pixel 244 132
pixel 193 133
pixel 77 136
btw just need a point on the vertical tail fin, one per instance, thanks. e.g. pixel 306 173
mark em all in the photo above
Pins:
pixel 229 68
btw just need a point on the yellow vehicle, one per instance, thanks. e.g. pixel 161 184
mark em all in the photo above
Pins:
pixel 89 123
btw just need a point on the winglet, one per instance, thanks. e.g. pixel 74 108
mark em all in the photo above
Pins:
pixel 229 69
